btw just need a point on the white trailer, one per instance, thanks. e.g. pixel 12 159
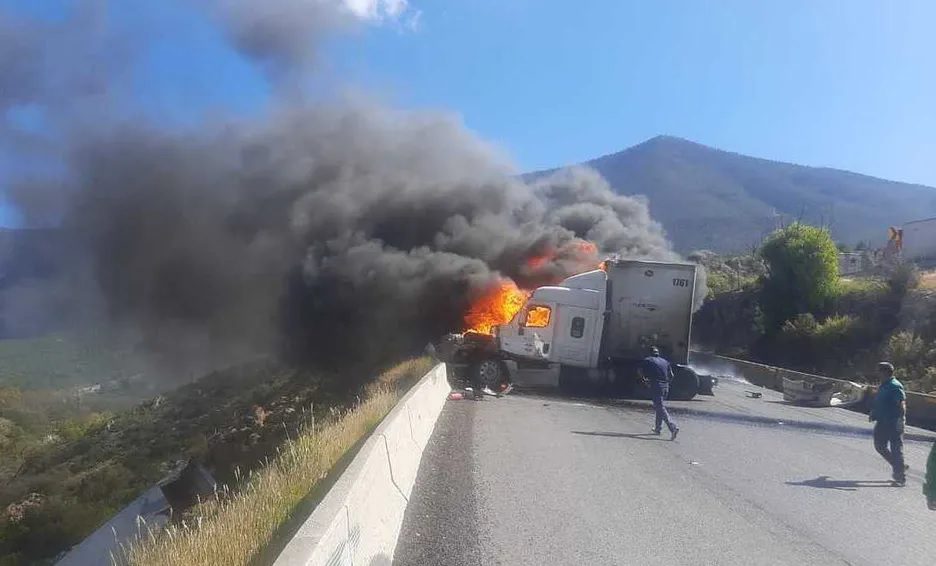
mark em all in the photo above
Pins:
pixel 598 326
pixel 651 305
pixel 919 239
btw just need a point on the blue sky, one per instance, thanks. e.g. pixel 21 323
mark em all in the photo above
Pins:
pixel 848 84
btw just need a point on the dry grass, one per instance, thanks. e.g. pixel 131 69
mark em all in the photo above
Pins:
pixel 236 527
pixel 403 375
pixel 928 280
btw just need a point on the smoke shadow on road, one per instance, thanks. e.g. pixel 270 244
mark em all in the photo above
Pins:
pixel 635 436
pixel 826 482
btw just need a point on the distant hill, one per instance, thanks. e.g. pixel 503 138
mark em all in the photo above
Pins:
pixel 712 199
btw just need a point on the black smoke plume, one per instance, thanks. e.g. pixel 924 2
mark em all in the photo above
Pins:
pixel 326 231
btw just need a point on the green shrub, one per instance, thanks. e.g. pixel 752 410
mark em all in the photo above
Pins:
pixel 829 332
pixel 802 273
pixel 802 325
pixel 861 289
pixel 837 329
pixel 923 381
pixel 10 396
pixel 903 277
pixel 928 380
pixel 9 434
pixel 914 359
pixel 907 350
pixel 76 429
pixel 718 283
pixel 728 273
pixel 49 527
pixel 110 483
pixel 826 346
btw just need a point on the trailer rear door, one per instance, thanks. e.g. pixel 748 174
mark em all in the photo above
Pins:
pixel 651 305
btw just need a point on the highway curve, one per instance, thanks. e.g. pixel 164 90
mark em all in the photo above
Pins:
pixel 533 479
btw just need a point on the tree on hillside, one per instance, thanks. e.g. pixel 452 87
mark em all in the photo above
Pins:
pixel 802 273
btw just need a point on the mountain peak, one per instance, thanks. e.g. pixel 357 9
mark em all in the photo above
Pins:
pixel 658 144
pixel 708 198
pixel 666 139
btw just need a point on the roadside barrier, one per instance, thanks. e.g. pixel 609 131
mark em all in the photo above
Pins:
pixel 359 520
pixel 921 407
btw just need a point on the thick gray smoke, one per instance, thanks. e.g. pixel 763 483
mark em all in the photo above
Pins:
pixel 322 230
pixel 283 35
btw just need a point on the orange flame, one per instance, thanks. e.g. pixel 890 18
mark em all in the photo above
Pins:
pixel 538 261
pixel 586 248
pixel 503 300
pixel 495 307
pixel 581 251
pixel 538 317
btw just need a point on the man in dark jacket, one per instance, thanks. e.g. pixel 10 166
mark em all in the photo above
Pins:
pixel 658 372
pixel 890 410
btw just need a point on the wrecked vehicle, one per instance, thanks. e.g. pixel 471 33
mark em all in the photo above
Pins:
pixel 594 328
pixel 813 391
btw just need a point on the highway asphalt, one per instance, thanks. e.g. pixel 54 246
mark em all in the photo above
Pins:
pixel 535 479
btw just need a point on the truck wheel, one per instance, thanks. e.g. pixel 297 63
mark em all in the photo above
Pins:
pixel 489 373
pixel 685 384
pixel 572 380
pixel 626 382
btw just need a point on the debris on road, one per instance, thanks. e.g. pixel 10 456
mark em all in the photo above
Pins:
pixel 469 393
pixel 814 391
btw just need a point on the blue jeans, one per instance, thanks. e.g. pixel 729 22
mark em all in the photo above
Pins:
pixel 660 391
pixel 891 433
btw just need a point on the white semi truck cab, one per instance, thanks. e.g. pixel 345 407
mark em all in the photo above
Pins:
pixel 560 324
pixel 597 326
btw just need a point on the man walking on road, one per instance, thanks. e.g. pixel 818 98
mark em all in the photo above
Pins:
pixel 658 372
pixel 890 410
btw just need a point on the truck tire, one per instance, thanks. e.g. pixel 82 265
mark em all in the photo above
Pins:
pixel 572 380
pixel 489 373
pixel 626 382
pixel 685 384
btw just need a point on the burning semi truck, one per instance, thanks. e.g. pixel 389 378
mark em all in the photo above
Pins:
pixel 595 327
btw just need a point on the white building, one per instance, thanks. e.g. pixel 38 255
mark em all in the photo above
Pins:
pixel 851 263
pixel 919 239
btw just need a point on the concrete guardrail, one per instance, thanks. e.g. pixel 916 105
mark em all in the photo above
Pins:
pixel 921 408
pixel 359 520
